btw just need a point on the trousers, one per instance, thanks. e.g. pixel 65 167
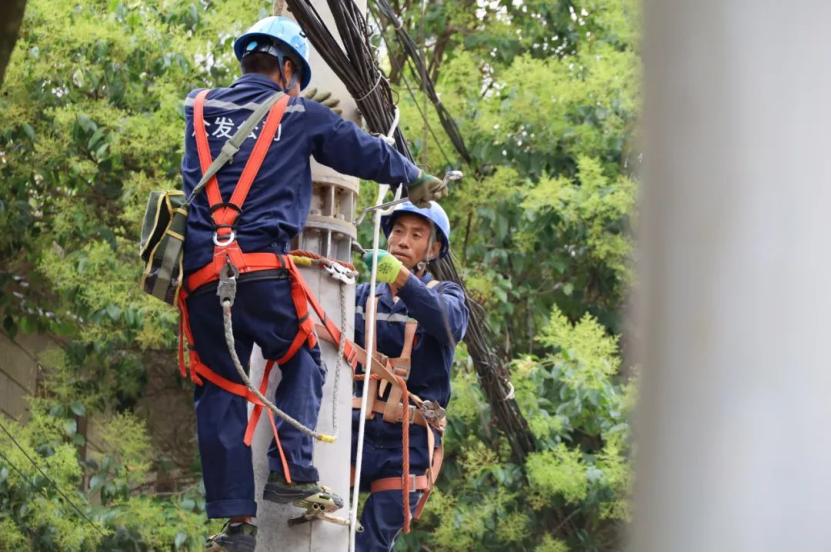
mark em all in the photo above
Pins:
pixel 383 514
pixel 263 313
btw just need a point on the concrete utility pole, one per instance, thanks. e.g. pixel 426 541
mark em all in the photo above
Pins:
pixel 733 447
pixel 329 232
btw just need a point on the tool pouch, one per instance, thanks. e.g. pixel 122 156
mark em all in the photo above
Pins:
pixel 162 244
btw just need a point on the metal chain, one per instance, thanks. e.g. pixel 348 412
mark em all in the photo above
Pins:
pixel 339 361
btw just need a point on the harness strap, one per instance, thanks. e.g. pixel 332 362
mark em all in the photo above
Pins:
pixel 198 368
pixel 225 215
pixel 421 483
pixel 393 412
pixel 381 407
pixel 202 147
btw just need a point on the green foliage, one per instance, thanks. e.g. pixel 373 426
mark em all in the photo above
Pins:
pixel 546 96
pixel 92 109
pixel 571 494
pixel 43 514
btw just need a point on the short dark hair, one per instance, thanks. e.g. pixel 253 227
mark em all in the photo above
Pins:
pixel 260 62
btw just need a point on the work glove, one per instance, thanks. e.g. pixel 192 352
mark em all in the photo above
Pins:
pixel 388 265
pixel 426 188
pixel 324 98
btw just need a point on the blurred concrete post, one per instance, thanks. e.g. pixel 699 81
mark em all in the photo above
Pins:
pixel 734 290
pixel 329 231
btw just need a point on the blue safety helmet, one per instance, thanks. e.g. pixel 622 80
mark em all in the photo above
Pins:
pixel 434 213
pixel 279 31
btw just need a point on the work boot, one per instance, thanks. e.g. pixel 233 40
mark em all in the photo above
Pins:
pixel 237 536
pixel 303 494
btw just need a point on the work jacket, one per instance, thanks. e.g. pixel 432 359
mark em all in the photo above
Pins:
pixel 278 204
pixel 442 322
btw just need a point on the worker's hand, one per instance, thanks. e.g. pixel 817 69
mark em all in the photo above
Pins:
pixel 388 266
pixel 426 188
pixel 324 98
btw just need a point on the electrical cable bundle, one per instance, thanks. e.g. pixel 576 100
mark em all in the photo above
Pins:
pixel 356 65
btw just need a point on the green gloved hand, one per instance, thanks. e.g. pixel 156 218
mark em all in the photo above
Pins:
pixel 426 188
pixel 388 265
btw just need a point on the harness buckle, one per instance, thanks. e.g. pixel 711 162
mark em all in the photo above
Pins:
pixel 433 413
pixel 224 242
pixel 227 287
pixel 339 272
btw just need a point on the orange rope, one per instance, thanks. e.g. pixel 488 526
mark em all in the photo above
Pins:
pixel 318 257
pixel 405 454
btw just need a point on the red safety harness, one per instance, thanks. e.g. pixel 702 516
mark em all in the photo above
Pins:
pixel 227 250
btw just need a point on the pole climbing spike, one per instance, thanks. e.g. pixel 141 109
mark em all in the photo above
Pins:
pixel 320 506
pixel 312 514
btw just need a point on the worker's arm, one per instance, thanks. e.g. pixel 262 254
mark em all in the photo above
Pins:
pixel 346 148
pixel 441 310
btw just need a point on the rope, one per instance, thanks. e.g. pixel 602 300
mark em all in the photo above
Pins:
pixel 405 453
pixel 230 342
pixel 54 484
pixel 369 342
pixel 322 260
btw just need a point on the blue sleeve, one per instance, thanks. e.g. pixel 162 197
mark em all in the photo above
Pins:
pixel 361 293
pixel 441 311
pixel 346 148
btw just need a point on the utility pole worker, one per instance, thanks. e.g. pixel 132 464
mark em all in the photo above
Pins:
pixel 419 322
pixel 274 57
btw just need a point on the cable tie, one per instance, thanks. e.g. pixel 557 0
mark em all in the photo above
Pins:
pixel 371 90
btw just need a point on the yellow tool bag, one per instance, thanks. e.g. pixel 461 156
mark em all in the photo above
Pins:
pixel 165 219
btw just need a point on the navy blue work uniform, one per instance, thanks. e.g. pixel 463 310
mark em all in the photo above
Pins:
pixel 275 211
pixel 442 322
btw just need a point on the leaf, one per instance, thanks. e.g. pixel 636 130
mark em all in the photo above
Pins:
pixel 70 427
pixel 10 326
pixel 180 539
pixel 78 408
pixel 114 312
pixel 30 132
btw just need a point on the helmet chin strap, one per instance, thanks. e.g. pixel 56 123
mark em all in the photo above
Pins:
pixel 293 81
pixel 421 266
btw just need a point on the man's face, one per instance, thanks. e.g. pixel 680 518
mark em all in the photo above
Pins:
pixel 409 239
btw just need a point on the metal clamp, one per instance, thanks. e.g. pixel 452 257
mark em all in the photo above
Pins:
pixel 227 287
pixel 226 242
pixel 339 272
pixel 451 175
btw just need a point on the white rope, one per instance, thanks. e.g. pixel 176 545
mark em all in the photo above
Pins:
pixel 229 341
pixel 369 343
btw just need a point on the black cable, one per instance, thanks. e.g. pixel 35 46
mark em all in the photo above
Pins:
pixel 54 484
pixel 426 122
pixel 420 71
